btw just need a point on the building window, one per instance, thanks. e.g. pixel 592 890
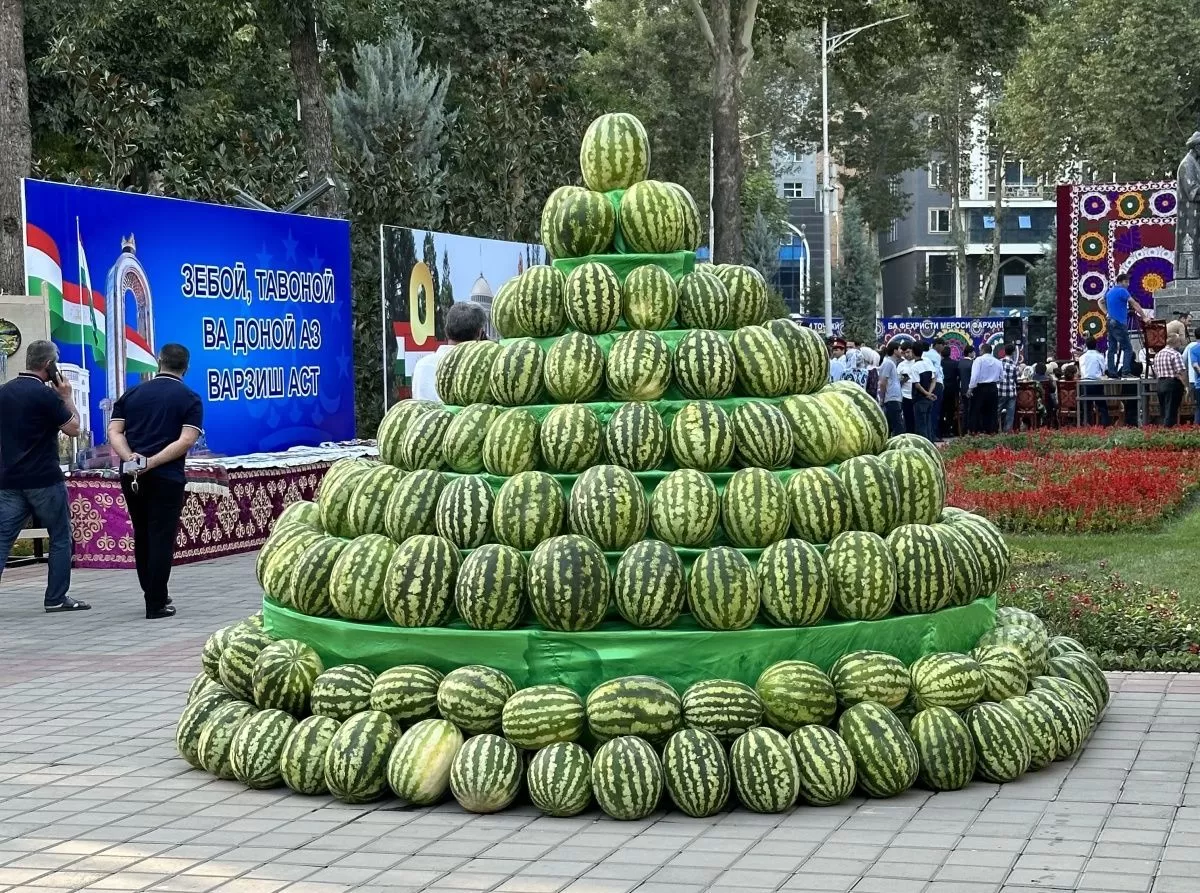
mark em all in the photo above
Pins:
pixel 939 175
pixel 894 186
pixel 793 189
pixel 939 220
pixel 893 234
pixel 939 273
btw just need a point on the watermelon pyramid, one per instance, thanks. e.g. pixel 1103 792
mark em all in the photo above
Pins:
pixel 642 545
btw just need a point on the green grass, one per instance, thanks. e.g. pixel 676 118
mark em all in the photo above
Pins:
pixel 1168 558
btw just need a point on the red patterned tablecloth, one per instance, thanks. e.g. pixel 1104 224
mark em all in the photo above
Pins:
pixel 211 527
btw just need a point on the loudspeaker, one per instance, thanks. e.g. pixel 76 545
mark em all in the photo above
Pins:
pixel 1036 348
pixel 1012 330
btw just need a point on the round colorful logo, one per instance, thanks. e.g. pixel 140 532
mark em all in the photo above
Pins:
pixel 1164 202
pixel 1092 324
pixel 1093 285
pixel 1130 205
pixel 10 338
pixel 1092 246
pixel 1094 206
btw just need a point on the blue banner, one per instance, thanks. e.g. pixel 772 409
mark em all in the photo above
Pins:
pixel 262 300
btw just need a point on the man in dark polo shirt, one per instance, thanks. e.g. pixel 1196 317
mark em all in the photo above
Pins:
pixel 31 481
pixel 158 421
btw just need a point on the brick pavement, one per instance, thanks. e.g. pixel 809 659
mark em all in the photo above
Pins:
pixel 93 796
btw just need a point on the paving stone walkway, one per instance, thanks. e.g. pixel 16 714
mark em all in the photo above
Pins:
pixel 94 797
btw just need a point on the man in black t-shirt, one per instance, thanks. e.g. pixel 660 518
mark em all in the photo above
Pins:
pixel 31 480
pixel 158 421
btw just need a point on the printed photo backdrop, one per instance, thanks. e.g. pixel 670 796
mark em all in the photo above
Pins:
pixel 957 331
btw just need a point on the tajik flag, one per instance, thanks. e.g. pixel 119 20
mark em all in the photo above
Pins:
pixel 91 305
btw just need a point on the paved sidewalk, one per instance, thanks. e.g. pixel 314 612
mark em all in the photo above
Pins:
pixel 93 796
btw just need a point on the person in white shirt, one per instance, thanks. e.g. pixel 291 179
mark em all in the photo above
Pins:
pixel 905 370
pixel 984 392
pixel 924 391
pixel 837 360
pixel 465 321
pixel 1092 367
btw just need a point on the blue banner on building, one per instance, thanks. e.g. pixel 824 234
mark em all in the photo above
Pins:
pixel 262 300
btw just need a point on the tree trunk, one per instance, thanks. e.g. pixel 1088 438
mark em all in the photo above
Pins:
pixel 727 149
pixel 15 143
pixel 316 123
pixel 988 295
pixel 958 232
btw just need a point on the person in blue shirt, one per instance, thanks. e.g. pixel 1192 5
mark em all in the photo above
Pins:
pixel 1191 357
pixel 1118 303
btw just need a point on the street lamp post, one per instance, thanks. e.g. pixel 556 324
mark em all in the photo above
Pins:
pixel 829 46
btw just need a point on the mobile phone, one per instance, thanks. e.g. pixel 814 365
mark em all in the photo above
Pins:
pixel 133 466
pixel 52 371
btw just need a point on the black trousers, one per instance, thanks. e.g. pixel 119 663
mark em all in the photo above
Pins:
pixel 968 418
pixel 910 420
pixel 986 406
pixel 154 510
pixel 1170 396
pixel 949 419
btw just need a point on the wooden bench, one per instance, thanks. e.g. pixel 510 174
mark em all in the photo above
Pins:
pixel 40 536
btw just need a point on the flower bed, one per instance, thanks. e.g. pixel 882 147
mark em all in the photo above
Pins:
pixel 1079 439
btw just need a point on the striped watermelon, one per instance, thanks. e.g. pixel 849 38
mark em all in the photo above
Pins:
pixel 964 564
pixel 257 746
pixel 763 436
pixel 335 497
pixel 516 376
pixel 870 414
pixel 311 575
pixel 627 778
pixel 390 433
pixel 614 153
pixel 921 486
pixel 793 583
pixel 1009 615
pixel 542 715
pixel 918 443
pixel 765 771
pixel 696 771
pixel 464 512
pixel 342 691
pixel 685 508
pixel 691 217
pixel 538 301
pixel 1071 690
pixel 407 693
pixel 827 773
pixel 490 590
pixel 649 586
pixel 210 657
pixel 635 437
pixel 701 437
pixel 570 439
pixel 703 301
pixel 807 357
pixel 504 311
pixel 237 661
pixel 819 503
pixel 577 222
pixel 511 445
pixel 529 510
pixel 357 758
pixel 795 694
pixel 422 444
pixel 1002 751
pixel 357 585
pixel 446 371
pixel 412 507
pixel 301 512
pixel 568 584
pixel 638 367
pixel 651 218
pixel 574 369
pixel 945 747
pixel 193 719
pixel 1086 672
pixel 473 698
pixel 947 680
pixel 485 775
pixel 862 575
pixel 924 576
pixel 884 755
pixel 302 761
pixel 723 707
pixel 1070 721
pixel 418 769
pixel 200 684
pixel 870 676
pixel 754 509
pixel 1005 674
pixel 722 590
pixel 987 541
pixel 874 496
pixel 1030 645
pixel 815 434
pixel 644 706
pixel 284 673
pixel 762 369
pixel 705 368
pixel 559 779
pixel 472 380
pixel 289 544
pixel 1056 646
pixel 650 298
pixel 592 298
pixel 418 586
pixel 747 294
pixel 216 737
pixel 608 505
pixel 1042 728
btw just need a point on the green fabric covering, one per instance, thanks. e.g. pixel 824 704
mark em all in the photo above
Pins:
pixel 666 407
pixel 677 263
pixel 682 655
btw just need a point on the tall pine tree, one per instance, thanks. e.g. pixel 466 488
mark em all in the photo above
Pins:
pixel 854 277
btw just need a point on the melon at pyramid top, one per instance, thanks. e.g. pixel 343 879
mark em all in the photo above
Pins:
pixel 615 152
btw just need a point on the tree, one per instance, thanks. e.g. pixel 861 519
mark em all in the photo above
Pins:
pixel 1042 291
pixel 854 277
pixel 15 143
pixel 762 247
pixel 922 302
pixel 1073 99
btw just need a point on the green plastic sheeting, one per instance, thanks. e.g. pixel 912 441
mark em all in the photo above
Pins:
pixel 677 263
pixel 681 655
pixel 665 407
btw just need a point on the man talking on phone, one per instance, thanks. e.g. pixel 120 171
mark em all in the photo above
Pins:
pixel 152 428
pixel 31 480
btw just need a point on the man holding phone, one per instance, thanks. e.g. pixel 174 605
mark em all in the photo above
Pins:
pixel 152 428
pixel 31 480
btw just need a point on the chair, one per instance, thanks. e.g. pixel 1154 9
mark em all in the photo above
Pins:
pixel 1068 402
pixel 1027 405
